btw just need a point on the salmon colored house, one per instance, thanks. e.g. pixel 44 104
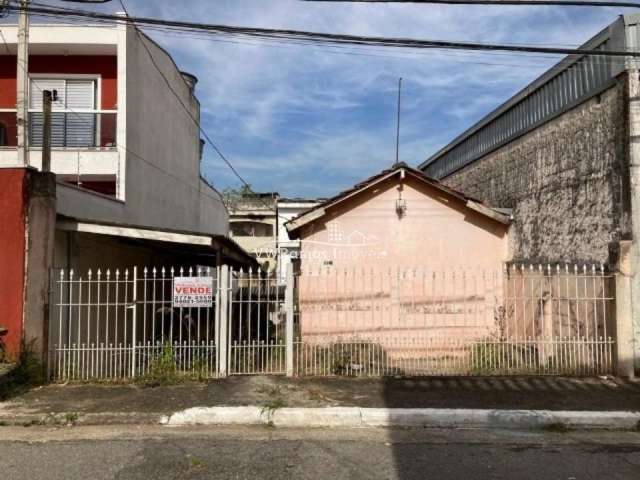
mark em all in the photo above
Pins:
pixel 398 255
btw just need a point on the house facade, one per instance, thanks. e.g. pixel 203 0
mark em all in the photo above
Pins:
pixel 399 239
pixel 125 187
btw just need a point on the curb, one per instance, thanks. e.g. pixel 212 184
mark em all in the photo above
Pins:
pixel 351 417
pixel 94 419
pixel 344 417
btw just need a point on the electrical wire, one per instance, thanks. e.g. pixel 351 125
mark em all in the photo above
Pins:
pixel 567 3
pixel 328 38
pixel 205 35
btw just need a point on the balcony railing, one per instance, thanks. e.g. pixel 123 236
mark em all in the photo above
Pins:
pixel 75 129
pixel 68 129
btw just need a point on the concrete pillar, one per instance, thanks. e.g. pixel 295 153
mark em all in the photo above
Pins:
pixel 633 94
pixel 41 237
pixel 27 233
pixel 624 336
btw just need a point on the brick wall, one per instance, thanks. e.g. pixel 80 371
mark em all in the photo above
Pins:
pixel 564 181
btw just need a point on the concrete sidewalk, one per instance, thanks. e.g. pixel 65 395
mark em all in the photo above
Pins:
pixel 281 401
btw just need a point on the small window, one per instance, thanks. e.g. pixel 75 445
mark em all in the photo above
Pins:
pixel 251 229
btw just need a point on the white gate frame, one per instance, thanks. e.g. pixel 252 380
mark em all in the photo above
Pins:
pixel 289 315
pixel 222 322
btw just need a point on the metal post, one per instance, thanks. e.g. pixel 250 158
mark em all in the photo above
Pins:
pixel 288 302
pixel 398 122
pixel 134 307
pixel 224 321
pixel 22 86
pixel 47 95
pixel 216 320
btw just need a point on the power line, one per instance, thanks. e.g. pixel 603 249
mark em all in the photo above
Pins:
pixel 340 49
pixel 328 38
pixel 568 3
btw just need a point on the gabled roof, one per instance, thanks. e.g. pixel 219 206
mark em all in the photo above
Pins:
pixel 308 216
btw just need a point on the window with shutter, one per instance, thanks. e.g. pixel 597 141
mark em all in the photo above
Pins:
pixel 73 121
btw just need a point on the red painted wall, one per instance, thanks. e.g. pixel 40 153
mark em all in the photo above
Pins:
pixel 12 238
pixel 105 66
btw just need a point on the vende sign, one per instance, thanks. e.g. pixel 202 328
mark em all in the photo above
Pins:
pixel 192 292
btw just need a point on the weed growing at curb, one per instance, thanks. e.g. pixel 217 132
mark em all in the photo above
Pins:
pixel 71 417
pixel 270 407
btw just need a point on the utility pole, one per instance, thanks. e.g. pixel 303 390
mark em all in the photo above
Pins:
pixel 398 124
pixel 47 96
pixel 22 87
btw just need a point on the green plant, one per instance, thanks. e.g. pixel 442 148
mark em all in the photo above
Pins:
pixel 27 372
pixel 490 358
pixel 199 368
pixel 71 417
pixel 495 354
pixel 270 407
pixel 196 462
pixel 162 370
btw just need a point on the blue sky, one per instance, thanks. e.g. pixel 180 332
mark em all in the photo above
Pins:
pixel 310 121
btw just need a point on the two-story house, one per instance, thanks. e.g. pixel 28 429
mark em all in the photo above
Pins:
pixel 126 153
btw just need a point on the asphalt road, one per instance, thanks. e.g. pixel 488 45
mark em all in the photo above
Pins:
pixel 151 452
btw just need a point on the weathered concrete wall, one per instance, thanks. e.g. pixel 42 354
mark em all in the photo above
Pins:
pixel 41 221
pixel 565 181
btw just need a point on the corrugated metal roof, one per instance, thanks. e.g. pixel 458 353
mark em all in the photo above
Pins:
pixel 567 84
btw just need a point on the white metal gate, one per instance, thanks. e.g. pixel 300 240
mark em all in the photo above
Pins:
pixel 117 324
pixel 121 324
pixel 256 324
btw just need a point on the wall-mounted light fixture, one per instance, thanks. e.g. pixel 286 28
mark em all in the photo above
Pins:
pixel 401 207
pixel 401 203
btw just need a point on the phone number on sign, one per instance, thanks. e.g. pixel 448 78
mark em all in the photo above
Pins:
pixel 192 300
